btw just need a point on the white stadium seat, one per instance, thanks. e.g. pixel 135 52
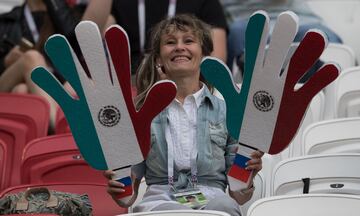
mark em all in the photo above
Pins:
pixel 342 54
pixel 314 113
pixel 179 213
pixel 332 173
pixel 332 136
pixel 345 58
pixel 307 204
pixel 260 189
pixel 342 16
pixel 347 94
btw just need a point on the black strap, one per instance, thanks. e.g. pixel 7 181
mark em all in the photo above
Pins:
pixel 306 185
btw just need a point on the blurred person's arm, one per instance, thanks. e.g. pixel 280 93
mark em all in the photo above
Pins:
pixel 213 14
pixel 64 21
pixel 99 11
pixel 14 54
pixel 219 40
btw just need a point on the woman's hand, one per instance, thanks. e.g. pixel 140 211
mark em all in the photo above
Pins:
pixel 254 164
pixel 115 188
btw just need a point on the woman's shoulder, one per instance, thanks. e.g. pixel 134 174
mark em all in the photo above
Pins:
pixel 216 100
pixel 217 106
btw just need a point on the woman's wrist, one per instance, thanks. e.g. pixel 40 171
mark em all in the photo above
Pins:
pixel 248 190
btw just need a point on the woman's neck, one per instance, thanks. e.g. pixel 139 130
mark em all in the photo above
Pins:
pixel 186 87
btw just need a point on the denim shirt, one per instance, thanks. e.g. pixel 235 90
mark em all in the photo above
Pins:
pixel 216 149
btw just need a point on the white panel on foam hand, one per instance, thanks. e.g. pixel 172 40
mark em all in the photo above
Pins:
pixel 117 137
pixel 266 89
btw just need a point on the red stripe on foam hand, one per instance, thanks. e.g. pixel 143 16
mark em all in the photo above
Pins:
pixel 128 192
pixel 294 103
pixel 239 173
pixel 157 99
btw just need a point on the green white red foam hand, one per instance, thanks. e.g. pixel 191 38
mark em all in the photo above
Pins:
pixel 109 131
pixel 267 112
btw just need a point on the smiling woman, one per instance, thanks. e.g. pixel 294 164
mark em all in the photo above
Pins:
pixel 191 150
pixel 177 46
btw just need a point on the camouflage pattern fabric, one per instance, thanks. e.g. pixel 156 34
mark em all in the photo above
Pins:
pixel 68 204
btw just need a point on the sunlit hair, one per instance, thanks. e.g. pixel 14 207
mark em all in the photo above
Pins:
pixel 147 75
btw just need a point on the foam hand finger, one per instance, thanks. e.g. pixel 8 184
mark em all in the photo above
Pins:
pixel 295 102
pixel 158 97
pixel 47 81
pixel 219 75
pixel 305 56
pixel 66 62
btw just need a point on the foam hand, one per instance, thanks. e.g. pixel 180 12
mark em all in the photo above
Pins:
pixel 268 110
pixel 108 130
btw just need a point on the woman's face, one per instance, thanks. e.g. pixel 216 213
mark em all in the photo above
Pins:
pixel 180 54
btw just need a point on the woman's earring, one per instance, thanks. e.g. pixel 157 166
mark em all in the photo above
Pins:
pixel 160 71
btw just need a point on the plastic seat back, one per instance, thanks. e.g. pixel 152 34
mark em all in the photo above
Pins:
pixel 313 114
pixel 345 57
pixel 347 93
pixel 61 125
pixel 259 193
pixel 56 158
pixel 180 213
pixel 13 134
pixel 332 173
pixel 332 136
pixel 32 110
pixel 3 163
pixel 307 204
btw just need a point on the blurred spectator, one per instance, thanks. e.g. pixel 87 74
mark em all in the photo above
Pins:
pixel 34 21
pixel 239 11
pixel 137 17
pixel 23 32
